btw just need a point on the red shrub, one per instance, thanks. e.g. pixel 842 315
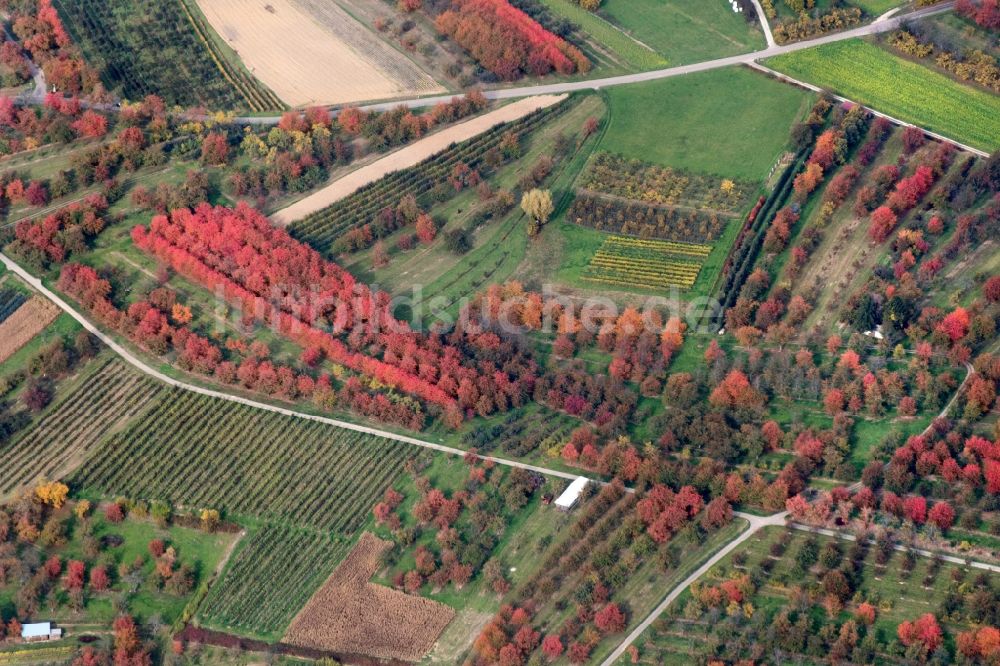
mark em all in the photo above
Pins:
pixel 883 221
pixel 924 631
pixel 915 509
pixel 942 515
pixel 315 303
pixel 610 619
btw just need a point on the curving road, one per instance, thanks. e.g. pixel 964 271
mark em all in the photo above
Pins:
pixel 969 373
pixel 37 94
pixel 757 523
pixel 142 367
pixel 888 21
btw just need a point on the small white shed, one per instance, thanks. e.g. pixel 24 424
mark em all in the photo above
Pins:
pixel 40 631
pixel 571 495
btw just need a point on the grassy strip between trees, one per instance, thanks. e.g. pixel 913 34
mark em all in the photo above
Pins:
pixel 911 92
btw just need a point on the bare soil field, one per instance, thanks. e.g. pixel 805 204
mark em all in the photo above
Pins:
pixel 409 156
pixel 313 52
pixel 26 322
pixel 349 614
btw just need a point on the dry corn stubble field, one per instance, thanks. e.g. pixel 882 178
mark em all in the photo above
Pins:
pixel 26 322
pixel 349 614
pixel 313 52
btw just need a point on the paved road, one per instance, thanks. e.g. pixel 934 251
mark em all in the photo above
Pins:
pixel 757 523
pixel 880 25
pixel 141 366
pixel 762 17
pixel 886 22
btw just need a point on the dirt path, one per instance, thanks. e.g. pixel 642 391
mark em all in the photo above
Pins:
pixel 758 523
pixel 141 269
pixel 969 373
pixel 409 156
pixel 879 26
pixel 762 17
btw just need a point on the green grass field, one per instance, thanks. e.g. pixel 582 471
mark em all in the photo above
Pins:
pixel 695 123
pixel 685 31
pixel 906 90
pixel 730 122
pixel 609 36
pixel 876 7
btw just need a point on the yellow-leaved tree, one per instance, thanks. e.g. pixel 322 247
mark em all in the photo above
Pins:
pixel 52 493
pixel 537 204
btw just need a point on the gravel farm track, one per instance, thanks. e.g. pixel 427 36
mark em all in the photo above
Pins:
pixel 756 522
pixel 884 23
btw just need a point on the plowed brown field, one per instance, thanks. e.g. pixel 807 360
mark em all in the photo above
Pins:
pixel 313 52
pixel 349 614
pixel 26 322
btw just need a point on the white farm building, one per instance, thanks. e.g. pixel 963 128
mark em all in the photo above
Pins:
pixel 40 631
pixel 571 495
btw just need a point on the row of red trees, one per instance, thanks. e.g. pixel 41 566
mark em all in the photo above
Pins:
pixel 284 283
pixel 909 191
pixel 839 505
pixel 641 343
pixel 507 41
pixel 158 327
